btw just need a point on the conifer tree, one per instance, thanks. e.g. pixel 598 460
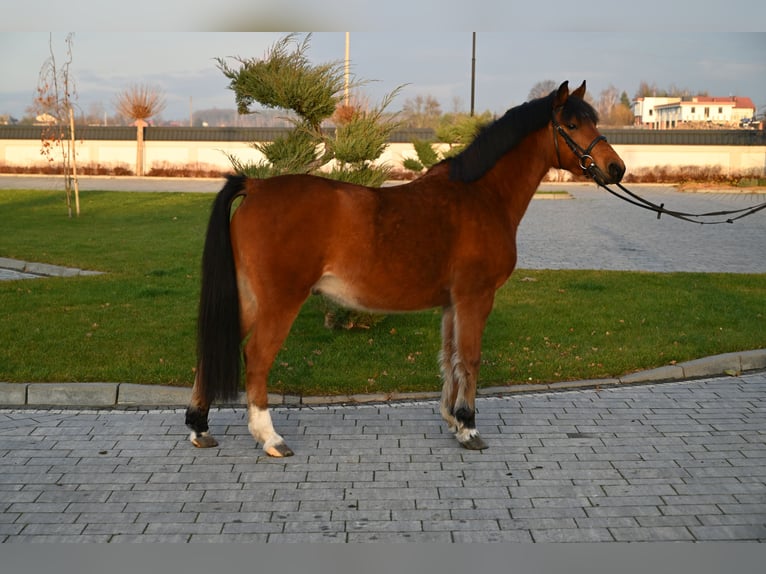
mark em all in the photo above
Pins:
pixel 311 94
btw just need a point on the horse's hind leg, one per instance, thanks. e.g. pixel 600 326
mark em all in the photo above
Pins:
pixel 269 330
pixel 197 417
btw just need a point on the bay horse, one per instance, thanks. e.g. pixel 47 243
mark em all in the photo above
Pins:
pixel 446 239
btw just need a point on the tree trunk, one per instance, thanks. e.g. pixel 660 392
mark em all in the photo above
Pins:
pixel 73 163
pixel 140 125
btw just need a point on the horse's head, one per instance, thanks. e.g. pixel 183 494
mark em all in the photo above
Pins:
pixel 580 147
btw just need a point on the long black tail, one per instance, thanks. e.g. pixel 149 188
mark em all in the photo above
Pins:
pixel 218 326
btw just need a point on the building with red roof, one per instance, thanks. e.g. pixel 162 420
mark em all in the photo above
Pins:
pixel 693 112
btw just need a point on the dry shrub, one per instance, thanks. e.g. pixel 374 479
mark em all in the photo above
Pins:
pixel 684 174
pixel 165 169
pixel 55 169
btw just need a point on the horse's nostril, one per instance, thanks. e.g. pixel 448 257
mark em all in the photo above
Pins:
pixel 616 171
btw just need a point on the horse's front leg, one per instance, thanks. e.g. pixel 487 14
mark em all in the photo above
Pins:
pixel 450 385
pixel 468 321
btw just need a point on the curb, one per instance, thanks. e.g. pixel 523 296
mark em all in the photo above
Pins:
pixel 43 269
pixel 130 395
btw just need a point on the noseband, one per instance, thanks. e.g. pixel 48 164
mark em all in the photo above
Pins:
pixel 587 163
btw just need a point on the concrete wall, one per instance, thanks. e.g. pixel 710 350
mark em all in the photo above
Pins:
pixel 210 155
pixel 731 159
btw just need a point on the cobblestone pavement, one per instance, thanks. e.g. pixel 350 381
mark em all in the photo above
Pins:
pixel 679 461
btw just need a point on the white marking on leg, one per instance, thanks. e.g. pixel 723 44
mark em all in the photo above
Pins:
pixel 262 429
pixel 466 434
pixel 195 434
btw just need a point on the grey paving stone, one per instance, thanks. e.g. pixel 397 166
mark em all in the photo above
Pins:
pixel 58 539
pixel 150 538
pixel 132 394
pixel 730 532
pixel 51 528
pixel 751 360
pixel 171 528
pixel 653 534
pixel 323 537
pixel 711 365
pixel 461 525
pixel 72 394
pixel 13 393
pixel 114 528
pixel 478 536
pixel 572 535
pixel 669 372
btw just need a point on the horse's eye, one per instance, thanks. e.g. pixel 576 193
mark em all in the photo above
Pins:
pixel 572 126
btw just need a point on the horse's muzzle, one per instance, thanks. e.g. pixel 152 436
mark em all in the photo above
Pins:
pixel 614 172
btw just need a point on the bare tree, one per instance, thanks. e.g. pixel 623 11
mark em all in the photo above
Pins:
pixel 54 106
pixel 140 102
pixel 645 89
pixel 542 89
pixel 607 100
pixel 421 112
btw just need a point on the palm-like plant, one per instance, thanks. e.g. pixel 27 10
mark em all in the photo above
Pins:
pixel 138 103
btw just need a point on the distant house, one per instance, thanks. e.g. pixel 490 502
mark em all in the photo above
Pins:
pixel 644 114
pixel 45 119
pixel 692 112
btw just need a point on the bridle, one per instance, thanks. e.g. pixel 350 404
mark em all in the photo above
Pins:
pixel 590 169
pixel 587 163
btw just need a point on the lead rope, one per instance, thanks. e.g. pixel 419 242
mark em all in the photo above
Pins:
pixel 660 210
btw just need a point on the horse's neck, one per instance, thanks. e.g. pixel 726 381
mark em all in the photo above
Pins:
pixel 517 175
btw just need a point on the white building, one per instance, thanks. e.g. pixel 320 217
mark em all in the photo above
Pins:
pixel 644 114
pixel 692 112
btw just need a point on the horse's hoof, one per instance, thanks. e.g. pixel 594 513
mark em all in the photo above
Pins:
pixel 203 440
pixel 474 442
pixel 279 450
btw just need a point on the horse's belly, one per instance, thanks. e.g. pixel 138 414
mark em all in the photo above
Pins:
pixel 338 290
pixel 391 297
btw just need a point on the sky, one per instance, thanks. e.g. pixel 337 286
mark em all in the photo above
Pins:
pixel 430 59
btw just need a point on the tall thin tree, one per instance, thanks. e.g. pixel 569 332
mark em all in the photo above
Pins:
pixel 54 105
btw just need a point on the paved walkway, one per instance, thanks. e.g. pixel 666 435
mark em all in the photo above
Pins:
pixel 673 462
pixel 596 230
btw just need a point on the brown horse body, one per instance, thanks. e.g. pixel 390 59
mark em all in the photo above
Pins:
pixel 447 239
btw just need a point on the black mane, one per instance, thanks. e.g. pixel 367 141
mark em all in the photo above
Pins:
pixel 505 133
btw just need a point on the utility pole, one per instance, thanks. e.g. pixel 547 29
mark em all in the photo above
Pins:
pixel 345 91
pixel 473 73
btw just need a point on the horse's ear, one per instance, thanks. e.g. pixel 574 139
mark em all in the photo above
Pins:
pixel 579 92
pixel 561 95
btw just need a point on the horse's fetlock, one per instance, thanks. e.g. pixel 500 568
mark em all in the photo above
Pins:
pixel 466 416
pixel 196 419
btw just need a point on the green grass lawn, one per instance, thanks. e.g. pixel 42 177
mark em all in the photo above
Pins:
pixel 136 323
